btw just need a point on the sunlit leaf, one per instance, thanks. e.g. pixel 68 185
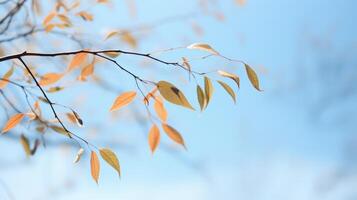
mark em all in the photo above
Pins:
pixel 173 134
pixel 94 166
pixel 6 76
pixel 154 138
pixel 123 100
pixel 12 122
pixel 160 109
pixel 201 97
pixel 229 90
pixel 50 78
pixel 208 89
pixel 77 60
pixel 252 77
pixel 79 155
pixel 25 144
pixel 173 94
pixel 235 78
pixel 110 157
pixel 204 47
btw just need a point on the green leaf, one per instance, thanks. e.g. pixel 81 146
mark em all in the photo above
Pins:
pixel 229 90
pixel 172 94
pixel 110 157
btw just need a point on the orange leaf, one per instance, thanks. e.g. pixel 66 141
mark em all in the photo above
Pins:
pixel 48 18
pixel 173 134
pixel 50 78
pixel 150 95
pixel 94 166
pixel 7 75
pixel 77 60
pixel 160 109
pixel 12 122
pixel 85 16
pixel 123 100
pixel 154 138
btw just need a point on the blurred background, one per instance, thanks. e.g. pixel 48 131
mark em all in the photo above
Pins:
pixel 295 140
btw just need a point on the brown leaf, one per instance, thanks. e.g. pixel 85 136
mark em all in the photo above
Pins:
pixel 235 78
pixel 154 138
pixel 252 77
pixel 110 157
pixel 85 16
pixel 123 100
pixel 173 134
pixel 12 122
pixel 94 166
pixel 173 94
pixel 228 89
pixel 201 98
pixel 208 89
pixel 25 144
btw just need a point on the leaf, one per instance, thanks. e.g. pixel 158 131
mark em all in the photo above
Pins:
pixel 154 138
pixel 112 54
pixel 173 94
pixel 204 47
pixel 208 90
pixel 12 122
pixel 94 166
pixel 55 89
pixel 78 118
pixel 111 34
pixel 48 18
pixel 229 90
pixel 87 70
pixel 186 64
pixel 128 38
pixel 79 155
pixel 151 94
pixel 123 100
pixel 77 60
pixel 110 157
pixel 160 109
pixel 173 134
pixel 201 97
pixel 25 144
pixel 6 76
pixel 59 130
pixel 235 78
pixel 64 19
pixel 252 77
pixel 50 78
pixel 85 16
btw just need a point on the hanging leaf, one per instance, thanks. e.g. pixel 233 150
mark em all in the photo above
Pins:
pixel 187 65
pixel 229 90
pixel 123 100
pixel 160 109
pixel 173 134
pixel 25 144
pixel 154 138
pixel 94 166
pixel 87 71
pixel 208 90
pixel 50 78
pixel 6 76
pixel 252 77
pixel 12 122
pixel 77 60
pixel 201 97
pixel 151 94
pixel 79 155
pixel 85 16
pixel 173 94
pixel 110 157
pixel 204 47
pixel 128 38
pixel 235 78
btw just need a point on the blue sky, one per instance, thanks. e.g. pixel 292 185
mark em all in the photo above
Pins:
pixel 265 147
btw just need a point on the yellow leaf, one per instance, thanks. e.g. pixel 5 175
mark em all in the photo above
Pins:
pixel 6 76
pixel 160 109
pixel 12 122
pixel 201 97
pixel 173 134
pixel 94 166
pixel 48 18
pixel 204 47
pixel 49 27
pixel 59 130
pixel 154 138
pixel 25 144
pixel 123 100
pixel 85 16
pixel 229 90
pixel 111 34
pixel 110 157
pixel 112 54
pixel 173 94
pixel 252 77
pixel 208 90
pixel 50 78
pixel 235 78
pixel 64 19
pixel 77 60
pixel 128 38
pixel 79 155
